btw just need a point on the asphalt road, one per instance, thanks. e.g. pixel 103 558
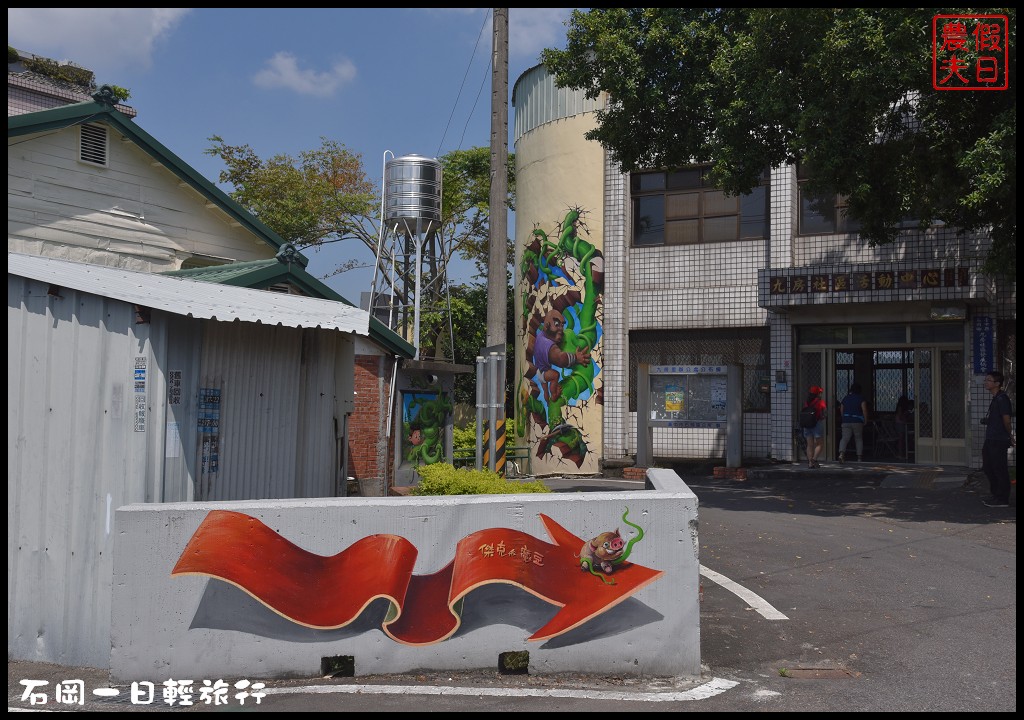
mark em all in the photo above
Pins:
pixel 893 599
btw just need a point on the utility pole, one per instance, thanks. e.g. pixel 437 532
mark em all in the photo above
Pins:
pixel 497 282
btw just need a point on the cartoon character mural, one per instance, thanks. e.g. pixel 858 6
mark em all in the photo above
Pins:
pixel 424 416
pixel 608 550
pixel 562 284
pixel 242 551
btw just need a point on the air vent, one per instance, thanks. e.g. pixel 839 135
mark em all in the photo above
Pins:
pixel 284 288
pixel 93 148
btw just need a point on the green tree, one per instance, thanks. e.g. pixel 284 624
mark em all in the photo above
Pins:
pixel 469 317
pixel 846 91
pixel 324 196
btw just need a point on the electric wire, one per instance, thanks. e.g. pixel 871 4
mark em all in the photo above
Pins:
pixel 469 67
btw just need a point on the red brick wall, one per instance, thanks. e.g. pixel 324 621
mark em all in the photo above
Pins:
pixel 367 432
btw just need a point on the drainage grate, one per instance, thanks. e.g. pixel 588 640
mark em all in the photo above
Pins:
pixel 514 662
pixel 338 666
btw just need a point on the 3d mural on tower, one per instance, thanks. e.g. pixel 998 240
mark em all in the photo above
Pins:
pixel 561 285
pixel 583 578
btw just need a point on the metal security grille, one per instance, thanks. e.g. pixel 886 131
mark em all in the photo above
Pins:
pixel 951 380
pixel 893 378
pixel 812 372
pixel 746 347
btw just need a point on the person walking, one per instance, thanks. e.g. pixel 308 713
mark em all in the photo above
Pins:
pixel 998 440
pixel 855 415
pixel 814 434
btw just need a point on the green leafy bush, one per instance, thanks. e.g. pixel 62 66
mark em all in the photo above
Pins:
pixel 66 73
pixel 465 438
pixel 445 479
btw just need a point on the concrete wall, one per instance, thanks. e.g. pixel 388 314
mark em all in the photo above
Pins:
pixel 332 568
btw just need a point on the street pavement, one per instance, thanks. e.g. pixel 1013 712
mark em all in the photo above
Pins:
pixel 843 588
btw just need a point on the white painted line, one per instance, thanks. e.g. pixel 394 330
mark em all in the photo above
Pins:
pixel 751 598
pixel 711 688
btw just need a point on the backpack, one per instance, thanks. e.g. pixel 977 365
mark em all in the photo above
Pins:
pixel 808 417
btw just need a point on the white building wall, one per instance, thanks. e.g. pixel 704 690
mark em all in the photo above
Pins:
pixel 130 214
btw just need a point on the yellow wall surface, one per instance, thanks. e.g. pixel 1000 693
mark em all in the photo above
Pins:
pixel 559 279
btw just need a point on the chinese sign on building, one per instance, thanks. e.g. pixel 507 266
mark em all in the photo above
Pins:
pixel 983 360
pixel 873 281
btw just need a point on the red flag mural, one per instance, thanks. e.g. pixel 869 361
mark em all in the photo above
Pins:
pixel 330 592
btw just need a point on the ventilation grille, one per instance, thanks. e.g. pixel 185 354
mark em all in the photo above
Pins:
pixel 93 144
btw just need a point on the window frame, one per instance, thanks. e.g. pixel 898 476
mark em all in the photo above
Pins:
pixel 841 222
pixel 692 211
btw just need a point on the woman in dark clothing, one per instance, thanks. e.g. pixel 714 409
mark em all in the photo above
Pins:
pixel 855 415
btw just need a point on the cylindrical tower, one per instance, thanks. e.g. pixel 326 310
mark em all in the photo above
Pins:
pixel 410 281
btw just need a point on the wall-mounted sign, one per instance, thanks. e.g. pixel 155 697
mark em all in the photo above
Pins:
pixel 984 361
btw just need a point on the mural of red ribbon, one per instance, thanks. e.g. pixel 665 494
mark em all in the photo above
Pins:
pixel 327 592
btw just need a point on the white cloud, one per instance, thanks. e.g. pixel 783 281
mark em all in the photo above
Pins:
pixel 530 30
pixel 282 71
pixel 104 40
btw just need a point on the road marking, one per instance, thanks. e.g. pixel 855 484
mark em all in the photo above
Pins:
pixel 711 688
pixel 752 599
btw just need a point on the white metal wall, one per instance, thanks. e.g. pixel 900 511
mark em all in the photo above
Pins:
pixel 279 408
pixel 73 457
pixel 538 100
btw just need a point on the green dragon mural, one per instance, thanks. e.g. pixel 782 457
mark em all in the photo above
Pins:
pixel 562 284
pixel 425 417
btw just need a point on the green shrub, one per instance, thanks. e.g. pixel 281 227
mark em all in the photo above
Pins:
pixel 465 438
pixel 445 479
pixel 71 74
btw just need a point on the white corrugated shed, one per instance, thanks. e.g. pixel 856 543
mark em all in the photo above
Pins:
pixel 104 410
pixel 192 298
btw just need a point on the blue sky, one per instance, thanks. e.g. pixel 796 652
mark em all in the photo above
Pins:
pixel 403 79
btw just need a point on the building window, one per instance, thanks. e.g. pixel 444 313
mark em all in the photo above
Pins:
pixel 747 347
pixel 822 214
pixel 681 207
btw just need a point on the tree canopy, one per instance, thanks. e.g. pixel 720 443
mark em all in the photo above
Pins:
pixel 847 92
pixel 324 196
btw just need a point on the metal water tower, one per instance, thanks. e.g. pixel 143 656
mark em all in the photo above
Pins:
pixel 410 285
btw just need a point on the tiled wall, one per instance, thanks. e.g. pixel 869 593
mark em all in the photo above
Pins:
pixel 617 443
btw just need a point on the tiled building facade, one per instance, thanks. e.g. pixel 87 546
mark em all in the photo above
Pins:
pixel 772 282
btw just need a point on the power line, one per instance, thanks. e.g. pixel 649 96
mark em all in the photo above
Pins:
pixel 478 92
pixel 487 16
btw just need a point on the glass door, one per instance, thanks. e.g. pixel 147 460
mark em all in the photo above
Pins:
pixel 941 410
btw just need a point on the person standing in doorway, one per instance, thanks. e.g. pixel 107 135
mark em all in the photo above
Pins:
pixel 855 415
pixel 998 440
pixel 815 436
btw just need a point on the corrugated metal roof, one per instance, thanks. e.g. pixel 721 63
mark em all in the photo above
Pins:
pixel 225 273
pixel 192 298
